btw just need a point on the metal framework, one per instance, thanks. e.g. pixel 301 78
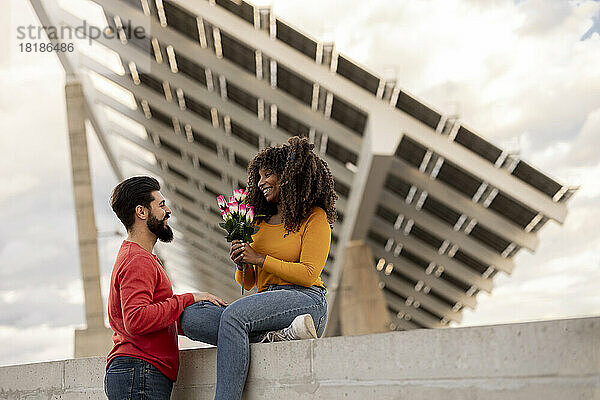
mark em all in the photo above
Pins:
pixel 213 82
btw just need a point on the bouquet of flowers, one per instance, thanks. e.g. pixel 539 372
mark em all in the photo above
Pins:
pixel 238 220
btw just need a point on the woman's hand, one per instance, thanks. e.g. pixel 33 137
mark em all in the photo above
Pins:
pixel 235 251
pixel 241 252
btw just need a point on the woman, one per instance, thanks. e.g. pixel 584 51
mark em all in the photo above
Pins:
pixel 292 192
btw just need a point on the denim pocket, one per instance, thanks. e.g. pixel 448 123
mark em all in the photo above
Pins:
pixel 152 369
pixel 118 383
pixel 156 384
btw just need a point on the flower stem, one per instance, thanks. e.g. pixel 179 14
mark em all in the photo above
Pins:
pixel 243 277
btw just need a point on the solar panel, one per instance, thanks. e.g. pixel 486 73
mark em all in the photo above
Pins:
pixel 240 161
pixel 470 261
pixel 461 285
pixel 385 213
pixel 358 75
pixel 152 83
pixel 191 68
pixel 294 85
pixel 513 210
pixel 414 258
pixel 418 110
pixel 341 153
pixel 238 53
pixel 291 125
pixel 295 39
pixel 161 117
pixel 242 97
pixel 411 151
pixel 210 158
pixel 240 8
pixel 457 178
pixel 439 210
pixel 181 20
pixel 348 115
pixel 204 141
pixel 176 172
pixel 397 185
pixel 477 144
pixel 174 150
pixel 198 108
pixel 426 237
pixel 489 239
pixel 245 135
pixel 341 189
pixel 535 178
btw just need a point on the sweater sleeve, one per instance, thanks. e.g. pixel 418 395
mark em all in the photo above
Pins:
pixel 249 279
pixel 313 253
pixel 140 315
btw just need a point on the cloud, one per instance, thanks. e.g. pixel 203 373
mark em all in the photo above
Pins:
pixel 585 147
pixel 541 16
pixel 41 294
pixel 508 69
pixel 37 343
pixel 514 72
pixel 559 280
pixel 594 29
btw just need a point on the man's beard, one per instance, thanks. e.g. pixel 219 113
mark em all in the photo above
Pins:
pixel 163 232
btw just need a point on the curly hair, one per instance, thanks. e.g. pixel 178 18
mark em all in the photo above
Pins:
pixel 306 182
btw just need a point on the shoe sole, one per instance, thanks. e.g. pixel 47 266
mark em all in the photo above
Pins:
pixel 310 326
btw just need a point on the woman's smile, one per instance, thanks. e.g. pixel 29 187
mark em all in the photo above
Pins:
pixel 269 185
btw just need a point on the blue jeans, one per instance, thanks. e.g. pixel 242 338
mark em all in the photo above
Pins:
pixel 246 321
pixel 129 378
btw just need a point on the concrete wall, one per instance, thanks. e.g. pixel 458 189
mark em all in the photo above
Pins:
pixel 540 360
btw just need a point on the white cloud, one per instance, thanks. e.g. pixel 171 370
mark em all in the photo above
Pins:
pixel 516 73
pixel 585 147
pixel 10 296
pixel 34 344
pixel 494 61
pixel 72 293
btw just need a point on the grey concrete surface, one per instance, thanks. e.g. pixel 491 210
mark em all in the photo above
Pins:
pixel 96 339
pixel 362 306
pixel 557 359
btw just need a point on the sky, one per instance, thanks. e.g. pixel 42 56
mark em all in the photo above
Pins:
pixel 523 74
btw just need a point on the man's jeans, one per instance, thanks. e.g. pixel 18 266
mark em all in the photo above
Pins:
pixel 129 378
pixel 248 320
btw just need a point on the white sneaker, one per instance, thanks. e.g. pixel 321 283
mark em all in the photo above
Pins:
pixel 302 327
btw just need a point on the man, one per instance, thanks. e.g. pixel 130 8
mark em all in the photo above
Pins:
pixel 142 309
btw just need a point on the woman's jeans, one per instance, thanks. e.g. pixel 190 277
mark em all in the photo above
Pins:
pixel 247 320
pixel 129 378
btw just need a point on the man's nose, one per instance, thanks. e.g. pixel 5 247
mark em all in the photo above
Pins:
pixel 168 210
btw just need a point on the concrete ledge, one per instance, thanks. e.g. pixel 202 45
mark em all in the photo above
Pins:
pixel 539 360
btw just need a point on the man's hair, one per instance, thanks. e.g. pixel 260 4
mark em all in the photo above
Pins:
pixel 129 194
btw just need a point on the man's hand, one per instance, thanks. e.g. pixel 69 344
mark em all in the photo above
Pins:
pixel 205 296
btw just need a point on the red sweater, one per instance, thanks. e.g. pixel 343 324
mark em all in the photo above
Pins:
pixel 143 311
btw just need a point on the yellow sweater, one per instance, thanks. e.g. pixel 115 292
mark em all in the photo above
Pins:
pixel 296 259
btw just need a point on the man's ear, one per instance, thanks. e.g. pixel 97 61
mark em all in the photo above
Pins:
pixel 141 212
